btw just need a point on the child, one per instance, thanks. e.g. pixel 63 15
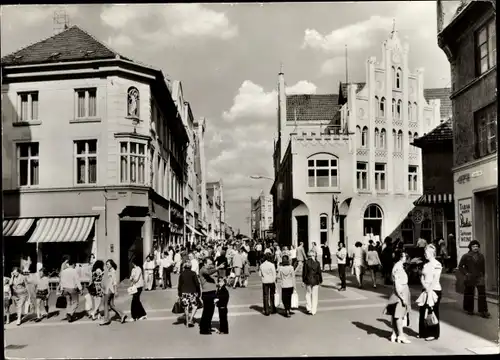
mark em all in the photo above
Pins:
pixel 221 301
pixel 42 294
pixel 7 298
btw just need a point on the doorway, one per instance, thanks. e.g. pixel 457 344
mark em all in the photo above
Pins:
pixel 130 246
pixel 488 225
pixel 303 231
pixel 372 222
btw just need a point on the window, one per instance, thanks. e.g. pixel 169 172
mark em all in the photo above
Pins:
pixel 358 136
pixel 86 103
pixel 372 220
pixel 410 109
pixel 393 77
pixel 485 131
pixel 27 164
pixel 377 105
pixel 86 161
pixel 28 106
pixel 362 175
pixel 412 178
pixel 394 140
pixel 380 183
pixel 132 162
pixel 383 138
pixel 415 148
pixel 382 108
pixel 393 108
pixel 323 171
pixel 400 141
pixel 133 102
pixel 426 230
pixel 377 138
pixel 486 48
pixel 398 79
pixel 398 109
pixel 323 228
pixel 407 232
pixel 410 140
pixel 364 137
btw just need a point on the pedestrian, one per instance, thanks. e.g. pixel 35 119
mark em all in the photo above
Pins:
pixel 222 300
pixel 293 256
pixel 189 292
pixel 222 260
pixel 358 264
pixel 7 299
pixel 373 262
pixel 258 250
pixel 177 261
pixel 443 252
pixel 286 277
pixel 96 289
pixel 149 268
pixel 167 266
pixel 267 273
pixel 452 252
pixel 341 265
pixel 472 267
pixel 399 306
pixel 327 257
pixel 195 265
pixel 246 267
pixel 70 287
pixel 312 278
pixel 387 261
pixel 111 288
pixel 137 311
pixel 19 284
pixel 431 295
pixel 301 258
pixel 277 255
pixel 65 260
pixel 209 291
pixel 42 295
pixel 237 268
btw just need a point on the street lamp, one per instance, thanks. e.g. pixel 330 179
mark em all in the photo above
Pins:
pixel 257 177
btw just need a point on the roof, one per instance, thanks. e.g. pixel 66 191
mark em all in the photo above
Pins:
pixel 343 87
pixel 72 44
pixel 442 132
pixel 442 94
pixel 311 107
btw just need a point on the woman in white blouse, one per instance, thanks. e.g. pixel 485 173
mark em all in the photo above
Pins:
pixel 149 269
pixel 430 279
pixel 136 309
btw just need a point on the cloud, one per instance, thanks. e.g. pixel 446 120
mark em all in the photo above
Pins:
pixel 120 41
pixel 333 66
pixel 163 25
pixel 253 101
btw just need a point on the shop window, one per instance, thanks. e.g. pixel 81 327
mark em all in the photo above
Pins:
pixel 426 230
pixel 408 232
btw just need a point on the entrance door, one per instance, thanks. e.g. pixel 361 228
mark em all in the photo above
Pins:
pixel 491 240
pixel 303 231
pixel 130 246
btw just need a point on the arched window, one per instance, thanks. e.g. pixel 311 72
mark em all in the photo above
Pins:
pixel 426 230
pixel 409 111
pixel 393 77
pixel 372 220
pixel 408 232
pixel 382 108
pixel 133 102
pixel 415 135
pixel 393 108
pixel 383 141
pixel 415 112
pixel 322 170
pixel 377 105
pixel 364 137
pixel 398 109
pixel 358 136
pixel 376 142
pixel 398 79
pixel 323 228
pixel 410 140
pixel 400 141
pixel 394 140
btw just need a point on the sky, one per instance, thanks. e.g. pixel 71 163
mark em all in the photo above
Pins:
pixel 228 57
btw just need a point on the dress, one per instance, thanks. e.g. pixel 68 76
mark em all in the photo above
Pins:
pixel 95 288
pixel 399 307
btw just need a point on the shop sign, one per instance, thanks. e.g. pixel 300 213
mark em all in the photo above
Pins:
pixel 462 179
pixel 465 222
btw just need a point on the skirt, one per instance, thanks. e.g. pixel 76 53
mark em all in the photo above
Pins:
pixel 189 301
pixel 42 294
pixel 395 307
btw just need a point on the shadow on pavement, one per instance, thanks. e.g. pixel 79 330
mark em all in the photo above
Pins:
pixel 15 347
pixel 373 330
pixel 408 331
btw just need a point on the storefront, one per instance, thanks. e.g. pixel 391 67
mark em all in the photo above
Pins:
pixel 476 212
pixel 176 224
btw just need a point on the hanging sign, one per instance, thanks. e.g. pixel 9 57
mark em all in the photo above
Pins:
pixel 464 222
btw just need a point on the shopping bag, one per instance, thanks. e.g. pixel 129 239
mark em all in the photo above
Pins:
pixel 277 299
pixel 27 306
pixel 88 302
pixel 132 290
pixel 295 300
pixel 61 302
pixel 430 318
pixel 177 308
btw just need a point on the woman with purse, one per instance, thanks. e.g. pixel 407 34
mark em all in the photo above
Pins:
pixel 286 276
pixel 188 290
pixel 428 326
pixel 137 283
pixel 19 285
pixel 373 262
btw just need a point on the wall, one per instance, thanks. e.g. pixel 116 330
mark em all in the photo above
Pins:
pixel 437 171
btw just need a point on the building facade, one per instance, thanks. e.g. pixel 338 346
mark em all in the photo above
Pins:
pixel 344 166
pixel 469 42
pixel 200 173
pixel 262 215
pixel 215 196
pixel 113 184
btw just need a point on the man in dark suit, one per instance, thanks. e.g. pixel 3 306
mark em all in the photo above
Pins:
pixel 312 278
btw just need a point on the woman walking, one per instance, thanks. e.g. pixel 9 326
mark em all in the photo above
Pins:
pixel 359 263
pixel 286 276
pixel 110 292
pixel 136 309
pixel 399 306
pixel 19 287
pixel 431 295
pixel 96 289
pixel 188 290
pixel 149 269
pixel 208 295
pixel 373 262
pixel 42 295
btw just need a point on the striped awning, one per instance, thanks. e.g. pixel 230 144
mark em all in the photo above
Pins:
pixel 62 229
pixel 17 227
pixel 433 199
pixel 203 232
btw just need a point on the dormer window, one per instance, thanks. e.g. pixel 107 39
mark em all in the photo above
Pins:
pixel 133 102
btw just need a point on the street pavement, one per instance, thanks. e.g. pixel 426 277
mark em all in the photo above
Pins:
pixel 347 323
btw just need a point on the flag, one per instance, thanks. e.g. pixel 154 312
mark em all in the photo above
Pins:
pixel 335 211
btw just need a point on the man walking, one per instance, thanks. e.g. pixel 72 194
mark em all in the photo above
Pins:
pixel 70 286
pixel 267 273
pixel 312 278
pixel 341 264
pixel 301 257
pixel 167 265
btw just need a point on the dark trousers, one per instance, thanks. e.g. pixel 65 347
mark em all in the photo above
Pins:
pixel 268 291
pixel 109 304
pixel 286 295
pixel 167 279
pixel 469 298
pixel 136 309
pixel 208 311
pixel 223 324
pixel 341 268
pixel 425 331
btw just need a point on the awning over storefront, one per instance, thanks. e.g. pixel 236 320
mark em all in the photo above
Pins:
pixel 203 232
pixel 433 199
pixel 194 230
pixel 73 229
pixel 17 227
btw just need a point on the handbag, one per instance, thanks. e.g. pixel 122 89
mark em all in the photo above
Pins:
pixel 177 308
pixel 295 300
pixel 277 299
pixel 132 290
pixel 430 318
pixel 88 302
pixel 61 302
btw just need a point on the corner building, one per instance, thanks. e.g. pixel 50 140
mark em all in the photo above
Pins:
pixel 350 156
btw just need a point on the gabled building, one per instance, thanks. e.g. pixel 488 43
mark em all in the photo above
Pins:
pixel 94 154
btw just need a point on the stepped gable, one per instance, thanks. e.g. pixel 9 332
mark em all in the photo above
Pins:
pixel 311 107
pixel 72 44
pixel 442 94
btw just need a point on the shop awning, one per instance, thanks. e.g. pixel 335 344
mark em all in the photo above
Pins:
pixel 17 227
pixel 203 232
pixel 73 229
pixel 434 199
pixel 194 230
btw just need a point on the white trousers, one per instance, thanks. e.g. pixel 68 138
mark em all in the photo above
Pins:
pixel 312 298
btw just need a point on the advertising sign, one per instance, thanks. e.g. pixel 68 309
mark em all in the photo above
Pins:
pixel 464 222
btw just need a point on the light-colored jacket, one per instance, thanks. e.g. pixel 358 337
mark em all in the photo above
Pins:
pixel 286 275
pixel 136 277
pixel 267 272
pixel 372 258
pixel 301 254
